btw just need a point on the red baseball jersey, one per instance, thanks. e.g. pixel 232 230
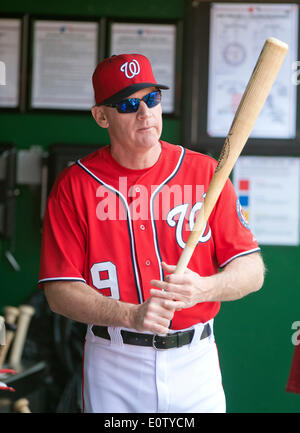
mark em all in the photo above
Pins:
pixel 111 227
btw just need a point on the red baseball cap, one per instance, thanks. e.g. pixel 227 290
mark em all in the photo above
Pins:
pixel 118 77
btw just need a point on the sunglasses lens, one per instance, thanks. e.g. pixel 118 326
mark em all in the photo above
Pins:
pixel 128 105
pixel 131 105
pixel 153 99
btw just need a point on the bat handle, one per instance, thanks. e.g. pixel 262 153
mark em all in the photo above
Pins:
pixel 11 314
pixel 191 243
pixel 184 260
pixel 26 311
pixel 21 406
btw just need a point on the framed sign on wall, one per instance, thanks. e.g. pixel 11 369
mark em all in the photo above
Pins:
pixel 10 62
pixel 64 54
pixel 222 45
pixel 237 35
pixel 161 43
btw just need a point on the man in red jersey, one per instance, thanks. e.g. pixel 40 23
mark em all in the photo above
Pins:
pixel 115 226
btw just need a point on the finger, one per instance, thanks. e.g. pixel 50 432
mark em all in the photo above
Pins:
pixel 168 300
pixel 179 300
pixel 172 268
pixel 158 293
pixel 164 295
pixel 156 328
pixel 177 289
pixel 157 319
pixel 168 268
pixel 159 284
pixel 181 279
pixel 160 304
pixel 178 305
pixel 171 304
pixel 166 286
pixel 167 294
pixel 169 291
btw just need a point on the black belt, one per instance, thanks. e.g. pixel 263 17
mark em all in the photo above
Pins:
pixel 168 341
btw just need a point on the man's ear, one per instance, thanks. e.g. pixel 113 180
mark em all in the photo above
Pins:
pixel 100 116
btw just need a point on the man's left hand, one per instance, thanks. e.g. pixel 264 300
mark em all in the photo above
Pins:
pixel 188 287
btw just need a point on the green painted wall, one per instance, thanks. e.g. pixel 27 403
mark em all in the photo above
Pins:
pixel 253 334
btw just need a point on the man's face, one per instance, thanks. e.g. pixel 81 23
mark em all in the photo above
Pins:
pixel 137 131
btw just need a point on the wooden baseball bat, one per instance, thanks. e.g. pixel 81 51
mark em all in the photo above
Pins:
pixel 26 312
pixel 21 406
pixel 5 402
pixel 252 102
pixel 2 331
pixel 10 314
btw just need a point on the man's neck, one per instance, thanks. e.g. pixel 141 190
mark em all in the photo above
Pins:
pixel 136 160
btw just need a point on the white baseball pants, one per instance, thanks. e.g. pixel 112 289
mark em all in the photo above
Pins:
pixel 123 378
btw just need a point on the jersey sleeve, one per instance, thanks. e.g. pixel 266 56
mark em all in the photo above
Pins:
pixel 63 243
pixel 231 231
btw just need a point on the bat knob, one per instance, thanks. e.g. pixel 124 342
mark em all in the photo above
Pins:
pixel 21 406
pixel 27 309
pixel 11 314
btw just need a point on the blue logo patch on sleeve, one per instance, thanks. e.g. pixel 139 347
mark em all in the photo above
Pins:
pixel 241 214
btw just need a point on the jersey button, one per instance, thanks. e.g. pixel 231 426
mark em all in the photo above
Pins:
pixel 142 227
pixel 147 262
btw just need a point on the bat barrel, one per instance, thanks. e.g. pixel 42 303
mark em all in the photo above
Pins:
pixel 252 102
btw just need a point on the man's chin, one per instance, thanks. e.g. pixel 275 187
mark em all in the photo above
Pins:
pixel 148 139
pixel 148 144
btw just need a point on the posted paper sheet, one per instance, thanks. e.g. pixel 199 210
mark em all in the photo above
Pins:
pixel 10 52
pixel 238 33
pixel 158 43
pixel 65 56
pixel 268 190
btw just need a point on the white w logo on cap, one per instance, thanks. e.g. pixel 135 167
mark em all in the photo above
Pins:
pixel 131 69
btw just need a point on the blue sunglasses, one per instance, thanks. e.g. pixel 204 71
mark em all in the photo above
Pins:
pixel 131 105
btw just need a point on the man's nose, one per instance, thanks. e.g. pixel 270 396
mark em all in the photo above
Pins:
pixel 143 110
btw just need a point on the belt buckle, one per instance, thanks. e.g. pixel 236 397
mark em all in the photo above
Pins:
pixel 153 343
pixel 176 335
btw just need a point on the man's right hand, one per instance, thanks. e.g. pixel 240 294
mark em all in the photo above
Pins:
pixel 154 315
